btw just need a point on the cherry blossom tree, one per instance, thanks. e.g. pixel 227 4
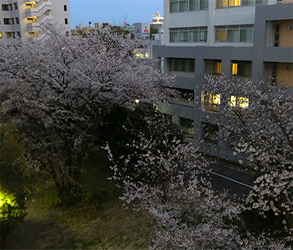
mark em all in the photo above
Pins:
pixel 165 180
pixel 257 119
pixel 59 89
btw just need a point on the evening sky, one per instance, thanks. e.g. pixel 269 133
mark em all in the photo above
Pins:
pixel 115 12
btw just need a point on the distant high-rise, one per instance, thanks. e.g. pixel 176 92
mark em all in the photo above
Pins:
pixel 20 18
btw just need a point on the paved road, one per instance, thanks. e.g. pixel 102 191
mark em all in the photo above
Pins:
pixel 227 177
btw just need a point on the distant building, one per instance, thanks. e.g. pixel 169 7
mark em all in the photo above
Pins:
pixel 102 25
pixel 20 18
pixel 142 30
pixel 158 20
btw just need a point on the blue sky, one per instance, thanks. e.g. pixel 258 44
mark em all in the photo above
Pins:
pixel 113 11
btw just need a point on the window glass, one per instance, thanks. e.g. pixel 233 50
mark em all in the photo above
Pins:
pixel 193 4
pixel 203 4
pixel 193 36
pixel 187 127
pixel 174 37
pixel 222 3
pixel 233 35
pixel 174 7
pixel 5 7
pixel 234 2
pixel 247 2
pixel 183 6
pixel 203 35
pixel 183 35
pixel 15 6
pixel 191 66
pixel 246 35
pixel 221 35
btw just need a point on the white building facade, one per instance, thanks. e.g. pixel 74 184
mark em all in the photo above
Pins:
pixel 26 19
pixel 241 38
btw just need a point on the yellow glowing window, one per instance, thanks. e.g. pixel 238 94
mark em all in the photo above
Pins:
pixel 33 33
pixel 242 102
pixel 216 99
pixel 221 35
pixel 32 19
pixel 29 5
pixel 0 34
pixel 234 69
pixel 218 68
pixel 210 102
pixel 234 2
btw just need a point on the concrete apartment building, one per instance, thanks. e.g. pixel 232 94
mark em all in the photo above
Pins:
pixel 243 38
pixel 20 18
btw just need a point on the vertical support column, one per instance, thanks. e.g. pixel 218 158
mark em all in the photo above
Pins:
pixel 259 42
pixel 199 71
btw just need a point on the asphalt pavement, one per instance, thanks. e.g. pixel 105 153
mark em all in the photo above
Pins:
pixel 228 177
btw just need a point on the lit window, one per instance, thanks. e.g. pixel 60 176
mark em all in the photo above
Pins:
pixel 234 68
pixel 213 67
pixel 234 33
pixel 210 102
pixel 221 35
pixel 236 101
pixel 234 2
pixel 32 19
pixel 242 68
pixel 0 34
pixel 33 33
pixel 29 5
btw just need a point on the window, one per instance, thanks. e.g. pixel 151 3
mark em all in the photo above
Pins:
pixel 7 21
pixel 33 34
pixel 15 6
pixel 210 102
pixel 241 68
pixel 232 3
pixel 213 67
pixel 12 21
pixel 188 5
pixel 5 7
pixel 18 34
pixel 10 7
pixel 187 127
pixel 192 34
pixel 66 21
pixel 8 34
pixel 182 65
pixel 30 5
pixel 234 33
pixel 210 132
pixel 0 34
pixel 236 101
pixel 32 19
pixel 65 7
pixel 17 20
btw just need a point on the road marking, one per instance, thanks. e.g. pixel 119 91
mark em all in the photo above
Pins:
pixel 230 179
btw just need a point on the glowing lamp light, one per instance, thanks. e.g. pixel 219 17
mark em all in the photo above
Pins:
pixel 136 101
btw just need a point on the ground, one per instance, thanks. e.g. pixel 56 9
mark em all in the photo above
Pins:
pixel 110 227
